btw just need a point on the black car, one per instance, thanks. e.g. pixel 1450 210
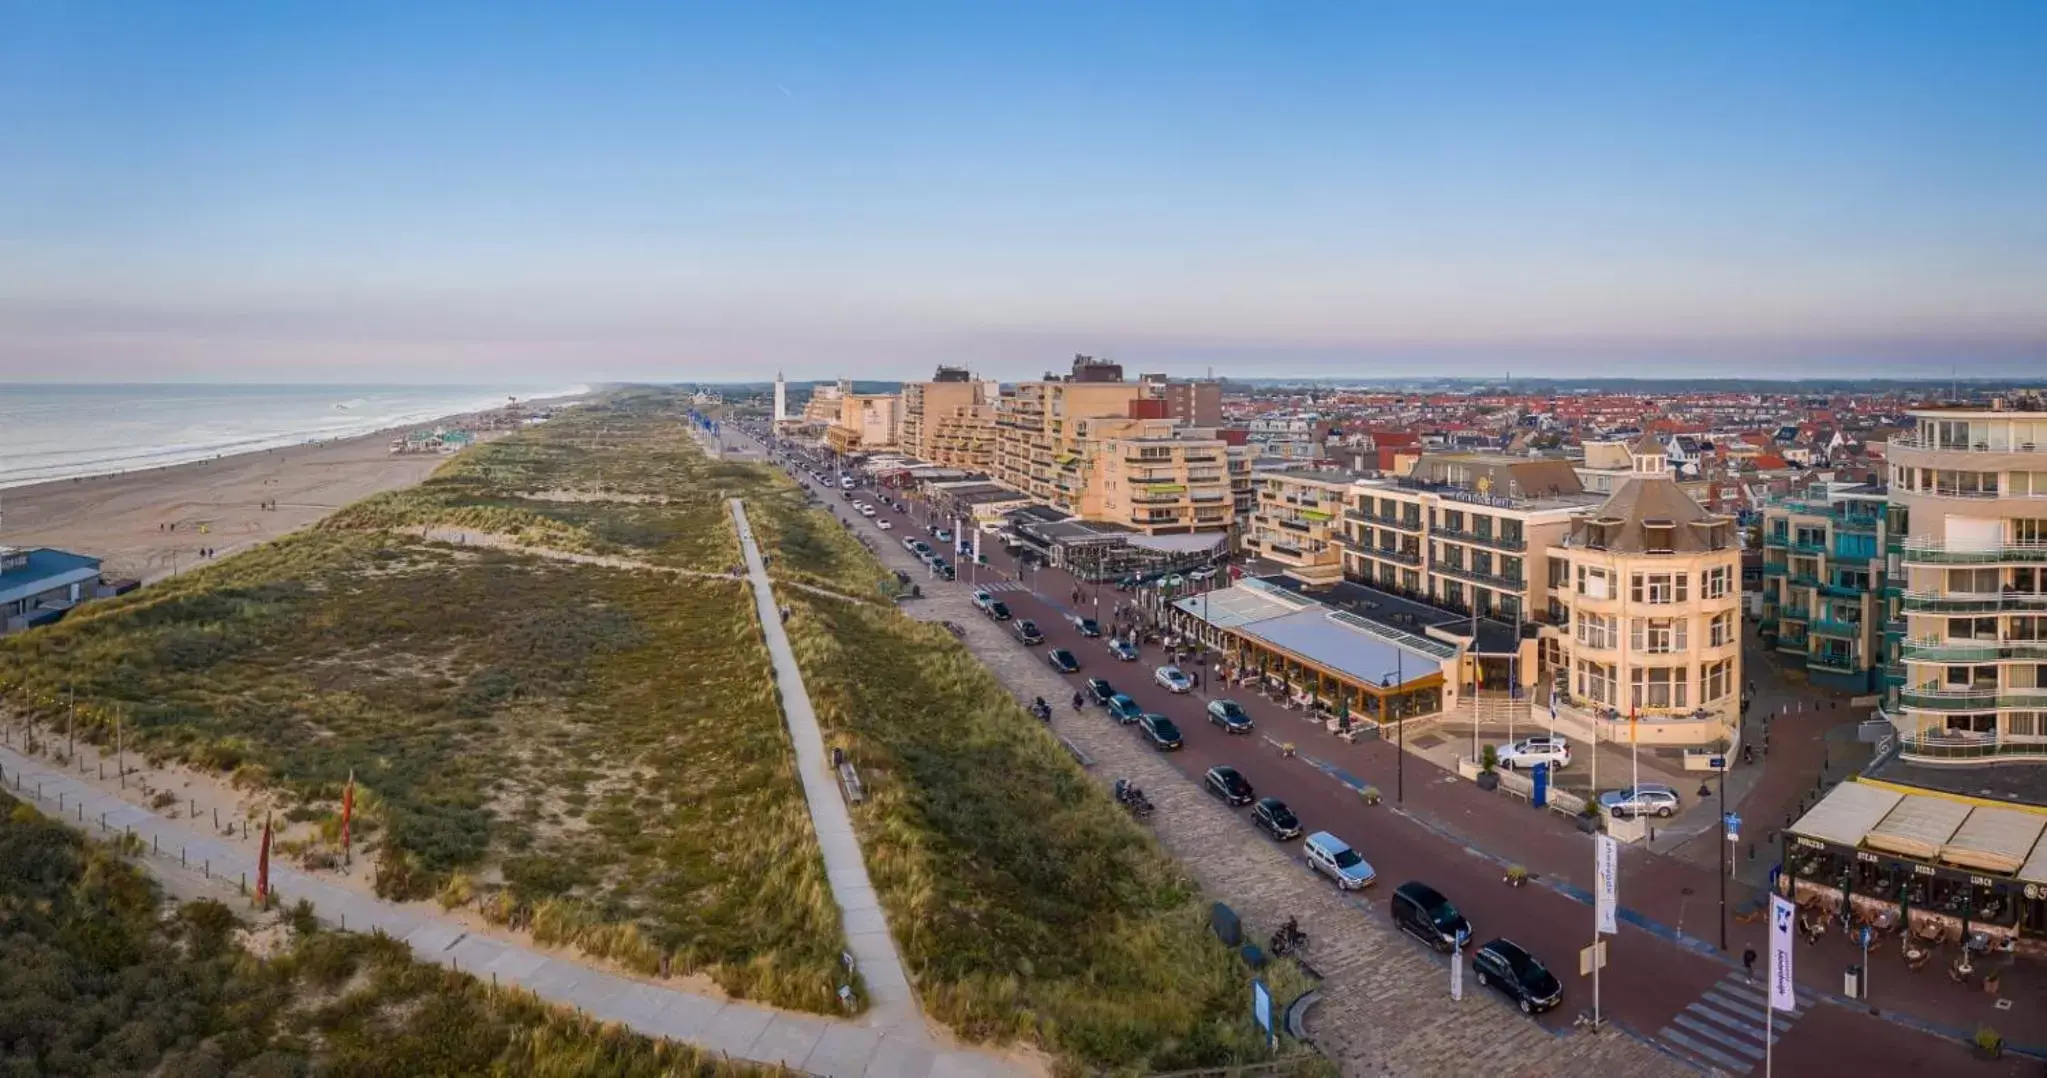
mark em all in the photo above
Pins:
pixel 1063 661
pixel 1027 631
pixel 1224 782
pixel 944 570
pixel 1275 819
pixel 998 610
pixel 1100 691
pixel 1163 734
pixel 1422 912
pixel 1502 964
pixel 1088 627
pixel 1229 715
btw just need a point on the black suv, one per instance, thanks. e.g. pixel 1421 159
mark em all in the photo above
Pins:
pixel 1225 783
pixel 1163 734
pixel 1504 965
pixel 998 610
pixel 1275 819
pixel 1100 691
pixel 1027 631
pixel 1422 912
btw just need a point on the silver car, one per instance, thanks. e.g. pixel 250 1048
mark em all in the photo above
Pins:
pixel 1648 799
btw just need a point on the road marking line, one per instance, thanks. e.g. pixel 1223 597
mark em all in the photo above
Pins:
pixel 1718 1036
pixel 1733 1022
pixel 1702 1053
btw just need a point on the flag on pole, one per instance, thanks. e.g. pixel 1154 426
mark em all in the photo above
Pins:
pixel 1783 996
pixel 263 865
pixel 347 809
pixel 1606 882
pixel 1633 715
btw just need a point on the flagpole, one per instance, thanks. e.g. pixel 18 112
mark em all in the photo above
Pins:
pixel 1476 677
pixel 1514 674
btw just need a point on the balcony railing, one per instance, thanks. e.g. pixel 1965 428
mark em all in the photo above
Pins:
pixel 1970 747
pixel 1777 539
pixel 1506 583
pixel 1840 590
pixel 1994 445
pixel 1939 698
pixel 1974 602
pixel 1497 542
pixel 1928 649
pixel 1803 547
pixel 1392 520
pixel 1404 557
pixel 1825 626
pixel 1834 661
pixel 1933 552
pixel 1774 568
pixel 1804 580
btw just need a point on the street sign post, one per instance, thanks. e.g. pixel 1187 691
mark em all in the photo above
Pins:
pixel 1261 1012
pixel 1457 974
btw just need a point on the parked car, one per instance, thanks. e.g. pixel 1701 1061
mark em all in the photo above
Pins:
pixel 1422 912
pixel 982 598
pixel 1026 630
pixel 883 524
pixel 1201 574
pixel 1275 819
pixel 1123 650
pixel 914 545
pixel 939 566
pixel 999 611
pixel 1229 715
pixel 1123 709
pixel 1173 679
pixel 1540 749
pixel 1063 661
pixel 1163 734
pixel 1087 626
pixel 1504 965
pixel 1224 782
pixel 866 510
pixel 1648 799
pixel 943 535
pixel 1333 857
pixel 1099 690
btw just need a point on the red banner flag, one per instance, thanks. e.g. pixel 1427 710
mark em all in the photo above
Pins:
pixel 263 866
pixel 347 809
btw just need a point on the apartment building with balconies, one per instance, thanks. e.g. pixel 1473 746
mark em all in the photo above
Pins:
pixel 867 423
pixel 1648 586
pixel 1036 432
pixel 1968 493
pixel 950 420
pixel 1297 522
pixel 1464 531
pixel 1157 476
pixel 1823 575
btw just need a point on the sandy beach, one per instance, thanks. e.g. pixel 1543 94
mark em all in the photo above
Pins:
pixel 127 520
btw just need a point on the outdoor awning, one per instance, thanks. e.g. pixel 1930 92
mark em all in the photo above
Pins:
pixel 1846 814
pixel 1994 839
pixel 1918 827
pixel 1320 636
pixel 2035 870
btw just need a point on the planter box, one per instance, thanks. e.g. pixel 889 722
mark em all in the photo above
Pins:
pixel 1488 780
pixel 1588 824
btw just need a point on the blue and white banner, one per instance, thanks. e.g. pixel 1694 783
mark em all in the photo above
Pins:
pixel 1606 882
pixel 1783 916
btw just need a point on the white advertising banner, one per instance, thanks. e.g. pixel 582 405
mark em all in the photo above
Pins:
pixel 1606 881
pixel 1457 974
pixel 1783 997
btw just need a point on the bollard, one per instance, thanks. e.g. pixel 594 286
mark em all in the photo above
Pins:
pixel 216 819
pixel 244 885
pixel 153 846
pixel 103 821
pixel 209 868
pixel 181 858
pixel 60 801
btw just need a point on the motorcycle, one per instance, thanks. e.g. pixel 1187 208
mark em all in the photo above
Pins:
pixel 1131 798
pixel 1289 939
pixel 1041 709
pixel 1079 702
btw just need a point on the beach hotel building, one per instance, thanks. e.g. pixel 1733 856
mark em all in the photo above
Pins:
pixel 1969 489
pixel 39 586
pixel 1298 521
pixel 866 423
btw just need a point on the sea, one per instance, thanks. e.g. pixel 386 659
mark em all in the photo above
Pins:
pixel 63 431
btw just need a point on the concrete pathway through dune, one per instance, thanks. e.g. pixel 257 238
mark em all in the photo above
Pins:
pixel 892 1003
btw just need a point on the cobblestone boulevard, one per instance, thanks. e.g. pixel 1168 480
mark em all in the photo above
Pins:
pixel 1386 1006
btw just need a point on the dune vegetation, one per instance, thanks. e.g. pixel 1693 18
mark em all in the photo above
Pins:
pixel 594 753
pixel 99 975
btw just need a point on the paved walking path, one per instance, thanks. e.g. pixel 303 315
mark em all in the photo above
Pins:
pixel 892 1003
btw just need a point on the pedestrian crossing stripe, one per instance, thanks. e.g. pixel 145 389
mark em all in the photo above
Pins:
pixel 992 586
pixel 1726 1030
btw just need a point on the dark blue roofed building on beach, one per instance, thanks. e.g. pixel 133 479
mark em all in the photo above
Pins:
pixel 39 586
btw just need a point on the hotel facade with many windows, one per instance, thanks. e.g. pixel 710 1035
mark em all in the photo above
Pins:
pixel 1969 487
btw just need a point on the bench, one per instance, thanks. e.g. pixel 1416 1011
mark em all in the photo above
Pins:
pixel 850 779
pixel 1075 751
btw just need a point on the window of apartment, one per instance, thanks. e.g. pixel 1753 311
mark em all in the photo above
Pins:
pixel 2026 483
pixel 1657 636
pixel 1717 682
pixel 2027 723
pixel 1453 520
pixel 1970 677
pixel 1714 583
pixel 1972 628
pixel 1510 531
pixel 1597 630
pixel 1658 686
pixel 2029 531
pixel 1659 588
pixel 1595 682
pixel 1510 606
pixel 2023 627
pixel 1559 574
pixel 1410 581
pixel 1481 526
pixel 1510 569
pixel 1594 583
pixel 1720 630
pixel 1978 581
pixel 1453 593
pixel 1481 562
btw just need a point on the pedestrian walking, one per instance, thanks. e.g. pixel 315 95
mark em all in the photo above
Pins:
pixel 1748 965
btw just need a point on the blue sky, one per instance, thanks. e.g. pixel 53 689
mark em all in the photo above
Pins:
pixel 269 191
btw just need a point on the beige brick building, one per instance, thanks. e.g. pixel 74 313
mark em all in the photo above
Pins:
pixel 950 420
pixel 1037 429
pixel 1298 522
pixel 1157 476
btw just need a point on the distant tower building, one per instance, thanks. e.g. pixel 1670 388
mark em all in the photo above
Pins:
pixel 781 398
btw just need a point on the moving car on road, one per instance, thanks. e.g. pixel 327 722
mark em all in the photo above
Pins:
pixel 1160 730
pixel 1333 857
pixel 1422 912
pixel 1504 965
pixel 1123 650
pixel 1540 749
pixel 999 611
pixel 1275 819
pixel 1229 715
pixel 1648 799
pixel 1063 661
pixel 1099 690
pixel 1226 783
pixel 1026 630
pixel 1173 679
pixel 982 598
pixel 943 535
pixel 1123 709
pixel 883 524
pixel 1087 626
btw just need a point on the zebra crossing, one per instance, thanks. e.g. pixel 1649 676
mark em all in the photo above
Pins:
pixel 1723 1031
pixel 999 585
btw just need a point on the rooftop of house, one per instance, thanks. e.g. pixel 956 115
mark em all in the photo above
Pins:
pixel 1398 612
pixel 28 572
pixel 1652 514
